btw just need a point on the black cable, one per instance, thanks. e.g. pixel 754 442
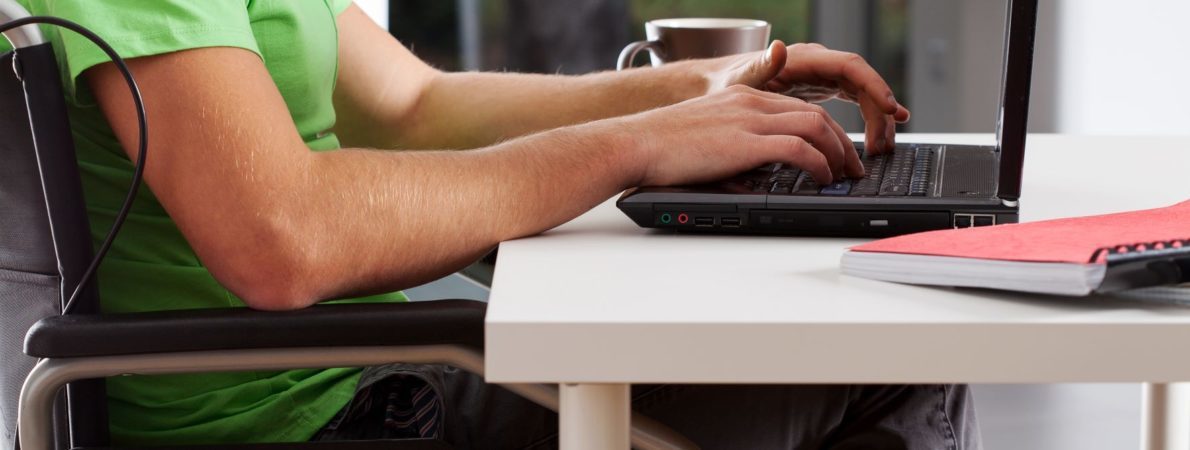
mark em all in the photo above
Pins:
pixel 141 153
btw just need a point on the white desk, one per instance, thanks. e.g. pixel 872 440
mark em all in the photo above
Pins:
pixel 599 304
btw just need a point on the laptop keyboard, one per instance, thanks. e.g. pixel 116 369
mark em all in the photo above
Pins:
pixel 905 172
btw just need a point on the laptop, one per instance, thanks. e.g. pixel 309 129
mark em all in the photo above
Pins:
pixel 917 187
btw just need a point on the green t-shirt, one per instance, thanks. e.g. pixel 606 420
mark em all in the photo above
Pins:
pixel 151 266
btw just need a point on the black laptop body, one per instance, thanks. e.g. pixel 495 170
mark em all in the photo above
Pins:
pixel 918 187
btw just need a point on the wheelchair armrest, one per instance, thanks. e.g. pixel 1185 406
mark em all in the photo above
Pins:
pixel 444 322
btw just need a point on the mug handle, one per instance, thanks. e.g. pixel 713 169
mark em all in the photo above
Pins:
pixel 629 53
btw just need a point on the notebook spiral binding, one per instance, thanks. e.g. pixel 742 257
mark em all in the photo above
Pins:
pixel 1169 261
pixel 1145 265
pixel 1142 251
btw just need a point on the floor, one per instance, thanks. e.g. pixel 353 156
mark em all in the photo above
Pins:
pixel 455 286
pixel 1012 417
pixel 1060 416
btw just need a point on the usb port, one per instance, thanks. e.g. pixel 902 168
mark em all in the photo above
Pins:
pixel 732 222
pixel 704 221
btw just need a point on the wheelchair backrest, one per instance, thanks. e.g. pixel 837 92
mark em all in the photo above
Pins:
pixel 45 241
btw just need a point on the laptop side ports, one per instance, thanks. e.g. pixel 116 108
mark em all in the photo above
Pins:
pixel 983 220
pixel 974 220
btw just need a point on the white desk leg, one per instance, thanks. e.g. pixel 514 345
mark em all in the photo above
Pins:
pixel 1153 416
pixel 1166 416
pixel 595 417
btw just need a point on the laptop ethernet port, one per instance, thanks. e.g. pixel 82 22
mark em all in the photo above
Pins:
pixel 962 221
pixel 730 222
pixel 983 220
pixel 704 221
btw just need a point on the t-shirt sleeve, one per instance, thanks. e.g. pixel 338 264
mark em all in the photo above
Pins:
pixel 136 28
pixel 338 6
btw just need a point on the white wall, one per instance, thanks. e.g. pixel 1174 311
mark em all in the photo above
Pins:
pixel 1100 67
pixel 1123 67
pixel 956 61
pixel 376 9
pixel 980 54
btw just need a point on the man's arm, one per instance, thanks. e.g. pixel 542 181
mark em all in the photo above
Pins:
pixel 283 227
pixel 388 98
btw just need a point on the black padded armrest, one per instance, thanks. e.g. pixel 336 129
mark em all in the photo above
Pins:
pixel 443 322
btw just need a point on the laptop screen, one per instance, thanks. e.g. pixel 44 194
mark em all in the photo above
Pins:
pixel 1013 120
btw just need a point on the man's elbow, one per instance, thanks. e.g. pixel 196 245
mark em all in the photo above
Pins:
pixel 276 294
pixel 267 279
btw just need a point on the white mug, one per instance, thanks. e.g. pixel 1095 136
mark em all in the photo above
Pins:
pixel 690 38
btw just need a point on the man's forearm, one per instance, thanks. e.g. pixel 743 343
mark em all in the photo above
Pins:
pixel 283 227
pixel 470 110
pixel 369 221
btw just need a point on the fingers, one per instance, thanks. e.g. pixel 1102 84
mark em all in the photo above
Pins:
pixel 848 93
pixel 856 81
pixel 798 152
pixel 877 138
pixel 793 117
pixel 854 168
pixel 902 114
pixel 764 67
pixel 890 130
pixel 880 128
pixel 823 133
pixel 849 69
pixel 812 127
pixel 774 60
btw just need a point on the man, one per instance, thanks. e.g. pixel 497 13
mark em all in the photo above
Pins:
pixel 241 211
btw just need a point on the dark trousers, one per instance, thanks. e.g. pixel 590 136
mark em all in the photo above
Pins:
pixel 470 414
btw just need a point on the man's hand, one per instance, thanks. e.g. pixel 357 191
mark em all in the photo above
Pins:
pixel 814 73
pixel 732 131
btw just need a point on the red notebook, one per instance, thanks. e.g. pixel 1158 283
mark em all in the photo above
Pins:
pixel 1064 256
